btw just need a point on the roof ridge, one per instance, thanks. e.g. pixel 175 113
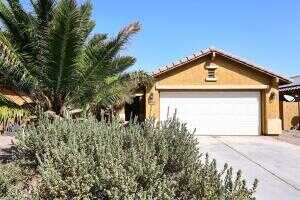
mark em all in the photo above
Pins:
pixel 205 51
pixel 245 60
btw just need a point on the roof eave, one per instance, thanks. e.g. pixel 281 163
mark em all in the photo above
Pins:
pixel 282 80
pixel 167 68
pixel 180 63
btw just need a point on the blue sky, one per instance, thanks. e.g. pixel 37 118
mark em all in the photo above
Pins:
pixel 265 32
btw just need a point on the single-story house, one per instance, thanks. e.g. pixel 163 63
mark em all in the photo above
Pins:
pixel 290 104
pixel 216 93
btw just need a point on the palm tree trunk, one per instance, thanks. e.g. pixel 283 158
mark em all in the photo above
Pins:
pixel 57 105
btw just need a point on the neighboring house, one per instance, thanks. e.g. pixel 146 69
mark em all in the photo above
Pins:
pixel 11 99
pixel 290 104
pixel 218 94
pixel 14 97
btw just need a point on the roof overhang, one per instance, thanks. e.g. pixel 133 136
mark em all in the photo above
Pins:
pixel 211 87
pixel 217 52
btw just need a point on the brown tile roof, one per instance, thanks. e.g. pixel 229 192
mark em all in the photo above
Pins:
pixel 205 52
pixel 290 88
pixel 17 98
pixel 293 86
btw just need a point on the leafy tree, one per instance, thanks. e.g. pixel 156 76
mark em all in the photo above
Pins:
pixel 51 54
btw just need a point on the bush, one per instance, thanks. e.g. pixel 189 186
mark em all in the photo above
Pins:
pixel 94 160
pixel 12 181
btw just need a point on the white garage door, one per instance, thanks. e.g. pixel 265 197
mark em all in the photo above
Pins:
pixel 214 112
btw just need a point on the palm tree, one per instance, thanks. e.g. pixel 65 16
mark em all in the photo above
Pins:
pixel 51 54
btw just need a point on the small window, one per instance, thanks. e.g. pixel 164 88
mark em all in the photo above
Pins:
pixel 211 73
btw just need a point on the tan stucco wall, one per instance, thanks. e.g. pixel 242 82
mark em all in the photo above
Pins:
pixel 290 114
pixel 228 73
pixel 273 123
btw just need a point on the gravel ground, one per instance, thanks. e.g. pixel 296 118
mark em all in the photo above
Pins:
pixel 292 137
pixel 5 144
pixel 6 141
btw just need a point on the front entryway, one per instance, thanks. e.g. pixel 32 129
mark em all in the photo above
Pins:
pixel 136 109
pixel 214 112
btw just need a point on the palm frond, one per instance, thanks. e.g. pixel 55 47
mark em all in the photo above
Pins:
pixel 12 71
pixel 114 45
pixel 113 93
pixel 3 100
pixel 9 20
pixel 121 63
pixel 20 15
pixel 121 89
pixel 8 53
pixel 65 44
pixel 43 9
pixel 102 59
pixel 17 21
pixel 86 24
pixel 97 40
pixel 16 78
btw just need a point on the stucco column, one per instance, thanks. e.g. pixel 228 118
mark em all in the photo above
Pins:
pixel 273 121
pixel 152 103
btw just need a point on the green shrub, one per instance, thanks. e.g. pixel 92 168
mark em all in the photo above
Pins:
pixel 12 181
pixel 10 115
pixel 94 160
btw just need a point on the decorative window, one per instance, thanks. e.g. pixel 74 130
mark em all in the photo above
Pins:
pixel 211 72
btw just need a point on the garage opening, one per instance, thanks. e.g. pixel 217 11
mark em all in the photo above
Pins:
pixel 214 112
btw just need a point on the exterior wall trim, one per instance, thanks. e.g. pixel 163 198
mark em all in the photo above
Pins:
pixel 211 87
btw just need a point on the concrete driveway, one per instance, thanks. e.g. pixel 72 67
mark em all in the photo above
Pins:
pixel 275 163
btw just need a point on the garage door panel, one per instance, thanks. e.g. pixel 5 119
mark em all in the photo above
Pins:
pixel 214 113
